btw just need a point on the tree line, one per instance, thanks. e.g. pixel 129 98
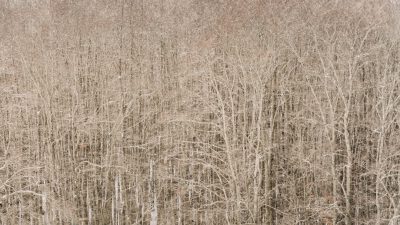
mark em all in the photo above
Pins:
pixel 199 112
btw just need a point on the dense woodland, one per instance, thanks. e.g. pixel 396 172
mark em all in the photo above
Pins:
pixel 199 112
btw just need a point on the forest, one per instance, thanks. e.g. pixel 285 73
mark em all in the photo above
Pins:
pixel 200 112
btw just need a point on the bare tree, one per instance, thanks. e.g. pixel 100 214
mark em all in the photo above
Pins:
pixel 199 112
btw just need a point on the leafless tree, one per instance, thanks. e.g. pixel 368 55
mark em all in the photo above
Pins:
pixel 199 112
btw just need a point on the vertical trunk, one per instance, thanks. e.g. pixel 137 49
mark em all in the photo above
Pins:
pixel 379 165
pixel 348 169
pixel 333 171
pixel 153 205
pixel 268 180
pixel 349 153
pixel 270 146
